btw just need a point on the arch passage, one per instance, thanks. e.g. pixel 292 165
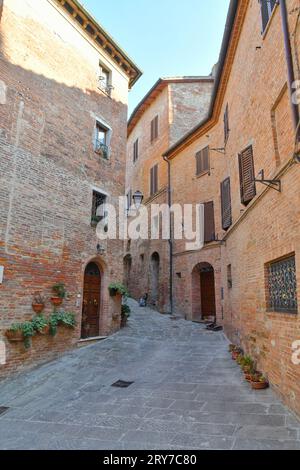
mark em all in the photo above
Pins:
pixel 91 302
pixel 203 292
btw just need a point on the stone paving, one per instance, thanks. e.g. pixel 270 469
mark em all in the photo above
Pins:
pixel 187 394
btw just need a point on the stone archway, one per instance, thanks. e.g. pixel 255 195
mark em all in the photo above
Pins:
pixel 203 292
pixel 91 307
pixel 154 279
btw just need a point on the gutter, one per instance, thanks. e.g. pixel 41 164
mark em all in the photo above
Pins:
pixel 290 65
pixel 171 236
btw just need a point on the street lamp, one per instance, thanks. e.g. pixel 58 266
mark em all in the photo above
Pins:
pixel 138 199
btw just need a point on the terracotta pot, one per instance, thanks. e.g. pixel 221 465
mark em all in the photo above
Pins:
pixel 14 336
pixel 259 385
pixel 248 377
pixel 45 331
pixel 38 308
pixel 235 355
pixel 57 301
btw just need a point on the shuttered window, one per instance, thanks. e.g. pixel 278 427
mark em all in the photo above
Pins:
pixel 226 124
pixel 226 204
pixel 154 128
pixel 136 151
pixel 247 175
pixel 267 7
pixel 154 180
pixel 209 222
pixel 202 161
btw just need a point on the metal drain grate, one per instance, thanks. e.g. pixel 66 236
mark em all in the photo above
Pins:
pixel 3 410
pixel 122 384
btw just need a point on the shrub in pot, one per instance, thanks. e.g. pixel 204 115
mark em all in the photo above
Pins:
pixel 21 332
pixel 259 382
pixel 38 303
pixel 236 353
pixel 125 314
pixel 40 325
pixel 117 288
pixel 60 292
pixel 61 319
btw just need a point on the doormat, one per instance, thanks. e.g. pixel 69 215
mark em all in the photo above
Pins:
pixel 122 384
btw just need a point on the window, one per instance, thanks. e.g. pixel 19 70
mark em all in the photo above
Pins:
pixel 154 180
pixel 209 222
pixel 247 176
pixel 101 141
pixel 229 276
pixel 129 200
pixel 267 7
pixel 202 162
pixel 226 204
pixel 282 285
pixel 136 151
pixel 98 207
pixel 226 124
pixel 154 129
pixel 105 80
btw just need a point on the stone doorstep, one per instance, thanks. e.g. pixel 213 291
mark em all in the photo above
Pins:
pixel 88 341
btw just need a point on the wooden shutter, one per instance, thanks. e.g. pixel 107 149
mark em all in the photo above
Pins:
pixel 202 161
pixel 209 222
pixel 154 128
pixel 226 204
pixel 247 175
pixel 226 124
pixel 136 150
pixel 154 180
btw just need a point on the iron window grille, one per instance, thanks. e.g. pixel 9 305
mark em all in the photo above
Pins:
pixel 282 286
pixel 98 208
pixel 101 146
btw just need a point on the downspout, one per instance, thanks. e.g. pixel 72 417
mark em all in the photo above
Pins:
pixel 171 234
pixel 289 60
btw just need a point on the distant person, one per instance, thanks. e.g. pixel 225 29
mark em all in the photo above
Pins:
pixel 143 301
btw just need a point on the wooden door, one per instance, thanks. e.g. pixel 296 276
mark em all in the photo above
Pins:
pixel 208 299
pixel 91 302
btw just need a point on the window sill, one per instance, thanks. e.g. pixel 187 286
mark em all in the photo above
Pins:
pixel 282 312
pixel 265 32
pixel 203 174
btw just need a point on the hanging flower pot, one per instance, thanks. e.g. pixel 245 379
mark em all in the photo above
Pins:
pixel 38 303
pixel 14 336
pixel 259 382
pixel 38 308
pixel 56 301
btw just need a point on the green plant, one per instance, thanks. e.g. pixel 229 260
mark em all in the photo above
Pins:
pixel 126 311
pixel 118 288
pixel 39 323
pixel 60 290
pixel 38 299
pixel 27 331
pixel 61 318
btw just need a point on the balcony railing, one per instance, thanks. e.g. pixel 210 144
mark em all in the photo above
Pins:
pixel 102 149
pixel 102 84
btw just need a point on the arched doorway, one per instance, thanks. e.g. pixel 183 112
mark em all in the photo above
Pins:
pixel 127 270
pixel 154 281
pixel 90 325
pixel 203 292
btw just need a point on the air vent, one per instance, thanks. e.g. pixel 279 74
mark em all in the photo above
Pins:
pixel 122 384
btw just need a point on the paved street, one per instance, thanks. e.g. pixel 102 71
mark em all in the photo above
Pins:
pixel 187 394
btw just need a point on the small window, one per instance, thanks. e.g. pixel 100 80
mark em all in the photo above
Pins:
pixel 136 151
pixel 267 7
pixel 282 285
pixel 202 161
pixel 229 276
pixel 154 180
pixel 154 129
pixel 105 80
pixel 226 124
pixel 101 141
pixel 98 207
pixel 247 175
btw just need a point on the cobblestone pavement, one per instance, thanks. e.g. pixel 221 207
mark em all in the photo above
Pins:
pixel 187 394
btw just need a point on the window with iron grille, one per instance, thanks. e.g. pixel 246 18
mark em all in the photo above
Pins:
pixel 247 175
pixel 105 80
pixel 153 180
pixel 202 161
pixel 136 151
pixel 267 7
pixel 98 207
pixel 282 285
pixel 101 141
pixel 154 129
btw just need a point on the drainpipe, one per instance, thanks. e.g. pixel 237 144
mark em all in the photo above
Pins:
pixel 289 59
pixel 171 234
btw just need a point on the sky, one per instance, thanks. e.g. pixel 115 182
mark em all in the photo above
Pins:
pixel 165 38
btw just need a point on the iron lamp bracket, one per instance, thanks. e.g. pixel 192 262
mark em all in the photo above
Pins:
pixel 273 184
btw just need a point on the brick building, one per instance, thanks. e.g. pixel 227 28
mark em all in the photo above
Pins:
pixel 167 112
pixel 248 273
pixel 63 122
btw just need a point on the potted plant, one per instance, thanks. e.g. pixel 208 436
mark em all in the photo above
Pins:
pixel 125 314
pixel 41 325
pixel 60 294
pixel 236 353
pixel 38 303
pixel 61 319
pixel 117 288
pixel 21 332
pixel 259 382
pixel 231 347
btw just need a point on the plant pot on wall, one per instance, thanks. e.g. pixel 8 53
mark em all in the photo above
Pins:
pixel 14 336
pixel 38 308
pixel 56 301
